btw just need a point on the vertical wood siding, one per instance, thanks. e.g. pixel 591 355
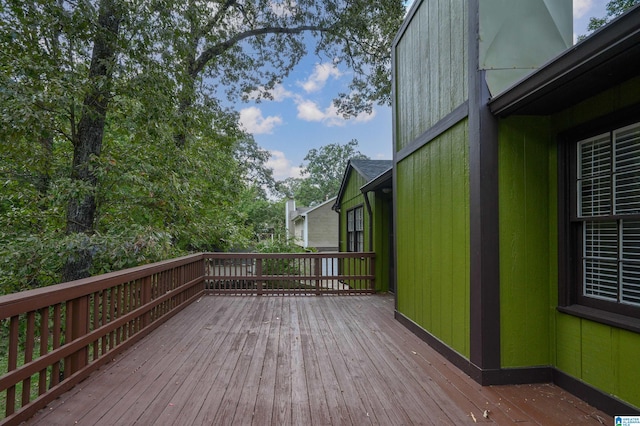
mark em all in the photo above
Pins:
pixel 524 241
pixel 601 355
pixel 430 67
pixel 353 197
pixel 533 332
pixel 382 211
pixel 432 227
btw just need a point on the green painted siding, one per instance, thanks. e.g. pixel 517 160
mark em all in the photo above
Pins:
pixel 428 87
pixel 433 238
pixel 533 332
pixel 382 245
pixel 524 240
pixel 622 96
pixel 381 210
pixel 600 355
pixel 351 198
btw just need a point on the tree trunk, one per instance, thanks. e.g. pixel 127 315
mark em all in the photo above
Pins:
pixel 81 211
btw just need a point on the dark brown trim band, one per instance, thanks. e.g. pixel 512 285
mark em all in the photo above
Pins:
pixel 514 376
pixel 592 396
pixel 447 122
pixel 484 221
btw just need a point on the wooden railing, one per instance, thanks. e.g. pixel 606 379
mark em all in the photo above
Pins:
pixel 54 337
pixel 290 273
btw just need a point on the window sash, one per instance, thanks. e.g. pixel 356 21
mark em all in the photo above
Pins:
pixel 607 206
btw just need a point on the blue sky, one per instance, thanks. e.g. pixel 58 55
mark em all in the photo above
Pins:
pixel 301 116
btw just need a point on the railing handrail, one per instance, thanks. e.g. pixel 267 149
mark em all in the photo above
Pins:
pixel 324 254
pixel 24 301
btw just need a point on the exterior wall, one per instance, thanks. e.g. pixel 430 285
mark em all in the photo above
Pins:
pixel 381 210
pixel 381 205
pixel 600 355
pixel 322 224
pixel 428 87
pixel 352 198
pixel 533 332
pixel 432 238
pixel 298 231
pixel 525 240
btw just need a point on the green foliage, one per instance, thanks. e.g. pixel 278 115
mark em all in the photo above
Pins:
pixel 113 141
pixel 614 8
pixel 279 266
pixel 322 174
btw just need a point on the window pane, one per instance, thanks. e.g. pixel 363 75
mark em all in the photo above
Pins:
pixel 631 240
pixel 601 260
pixel 630 267
pixel 594 177
pixel 601 279
pixel 630 283
pixel 359 219
pixel 601 240
pixel 627 166
pixel 627 143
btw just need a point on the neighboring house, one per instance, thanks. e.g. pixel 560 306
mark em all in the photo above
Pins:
pixel 364 203
pixel 517 197
pixel 313 227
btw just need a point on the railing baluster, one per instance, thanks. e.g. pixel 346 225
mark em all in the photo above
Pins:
pixel 12 361
pixel 57 333
pixel 44 347
pixel 28 355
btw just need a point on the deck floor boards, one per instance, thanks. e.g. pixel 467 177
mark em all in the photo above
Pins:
pixel 286 360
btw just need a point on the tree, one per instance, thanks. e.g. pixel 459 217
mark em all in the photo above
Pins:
pixel 322 174
pixel 94 92
pixel 614 8
pixel 248 47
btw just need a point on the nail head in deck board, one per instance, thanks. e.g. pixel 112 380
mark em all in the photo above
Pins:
pixel 340 331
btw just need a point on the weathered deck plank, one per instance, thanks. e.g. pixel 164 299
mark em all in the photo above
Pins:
pixel 298 360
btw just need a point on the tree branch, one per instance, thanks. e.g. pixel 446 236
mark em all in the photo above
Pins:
pixel 216 19
pixel 220 48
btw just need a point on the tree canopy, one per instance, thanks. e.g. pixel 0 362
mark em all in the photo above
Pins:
pixel 115 146
pixel 322 173
pixel 614 8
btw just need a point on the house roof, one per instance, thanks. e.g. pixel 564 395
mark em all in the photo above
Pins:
pixel 605 59
pixel 383 180
pixel 308 210
pixel 370 170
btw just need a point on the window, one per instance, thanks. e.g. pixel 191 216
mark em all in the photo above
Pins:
pixel 355 229
pixel 605 221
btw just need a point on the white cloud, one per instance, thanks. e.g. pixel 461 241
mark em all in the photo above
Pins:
pixel 278 93
pixel 319 77
pixel 253 122
pixel 281 166
pixel 310 111
pixel 581 8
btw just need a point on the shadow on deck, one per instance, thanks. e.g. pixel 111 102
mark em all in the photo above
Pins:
pixel 301 361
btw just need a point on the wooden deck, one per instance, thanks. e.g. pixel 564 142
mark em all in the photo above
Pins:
pixel 302 361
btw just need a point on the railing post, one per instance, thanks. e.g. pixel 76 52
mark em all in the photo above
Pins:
pixel 146 299
pixel 79 328
pixel 259 276
pixel 317 271
pixel 372 272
